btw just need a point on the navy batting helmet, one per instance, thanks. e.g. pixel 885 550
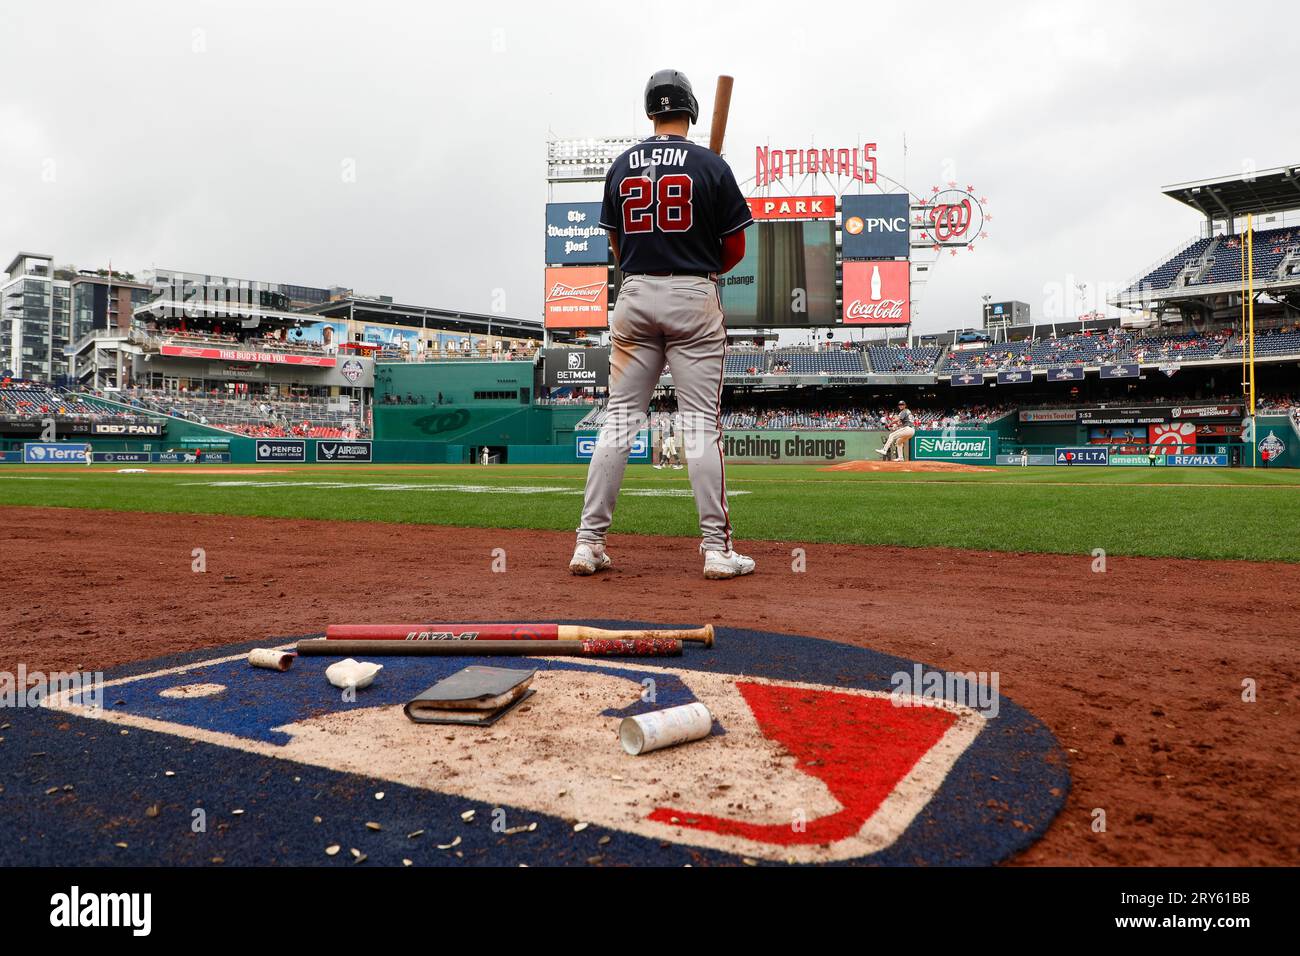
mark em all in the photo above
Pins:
pixel 669 91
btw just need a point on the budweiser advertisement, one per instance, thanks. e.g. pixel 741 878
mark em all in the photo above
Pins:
pixel 577 297
pixel 877 293
pixel 243 355
pixel 792 207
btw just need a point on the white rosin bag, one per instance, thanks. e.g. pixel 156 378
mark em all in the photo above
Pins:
pixel 350 673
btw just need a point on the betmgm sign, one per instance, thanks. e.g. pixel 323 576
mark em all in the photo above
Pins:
pixel 576 368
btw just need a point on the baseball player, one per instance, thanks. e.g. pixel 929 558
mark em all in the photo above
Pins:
pixel 668 455
pixel 676 220
pixel 903 431
pixel 90 455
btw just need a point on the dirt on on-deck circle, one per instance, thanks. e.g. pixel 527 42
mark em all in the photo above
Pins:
pixel 1148 734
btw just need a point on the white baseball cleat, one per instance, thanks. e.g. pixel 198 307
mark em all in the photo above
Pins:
pixel 726 564
pixel 588 559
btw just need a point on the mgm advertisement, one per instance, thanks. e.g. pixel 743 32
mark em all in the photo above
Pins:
pixel 566 368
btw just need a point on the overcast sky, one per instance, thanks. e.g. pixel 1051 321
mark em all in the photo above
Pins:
pixel 215 137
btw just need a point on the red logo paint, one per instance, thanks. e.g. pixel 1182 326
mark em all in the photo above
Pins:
pixel 859 747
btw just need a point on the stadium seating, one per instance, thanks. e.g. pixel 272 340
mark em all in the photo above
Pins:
pixel 894 358
pixel 1178 348
pixel 831 362
pixel 30 400
pixel 1102 348
pixel 1277 342
pixel 991 358
pixel 38 400
pixel 255 416
pixel 1222 254
pixel 742 362
pixel 1270 247
pixel 1163 275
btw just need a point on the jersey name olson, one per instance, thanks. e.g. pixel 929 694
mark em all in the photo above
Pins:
pixel 659 156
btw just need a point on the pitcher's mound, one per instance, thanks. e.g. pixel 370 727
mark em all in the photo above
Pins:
pixel 909 466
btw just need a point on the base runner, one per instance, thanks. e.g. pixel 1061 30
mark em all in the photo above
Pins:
pixel 676 220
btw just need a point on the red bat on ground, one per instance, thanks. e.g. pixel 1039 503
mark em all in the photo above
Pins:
pixel 508 632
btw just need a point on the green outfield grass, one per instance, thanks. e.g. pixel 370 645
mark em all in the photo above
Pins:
pixel 1166 512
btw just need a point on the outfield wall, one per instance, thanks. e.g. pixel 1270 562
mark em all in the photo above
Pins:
pixel 1284 430
pixel 815 446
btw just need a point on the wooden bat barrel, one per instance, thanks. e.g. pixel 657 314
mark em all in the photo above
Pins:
pixel 593 647
pixel 508 632
pixel 721 109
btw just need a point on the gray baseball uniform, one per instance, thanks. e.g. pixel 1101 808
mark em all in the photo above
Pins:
pixel 669 204
pixel 903 431
pixel 678 318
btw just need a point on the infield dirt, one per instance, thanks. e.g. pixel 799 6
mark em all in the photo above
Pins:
pixel 1138 670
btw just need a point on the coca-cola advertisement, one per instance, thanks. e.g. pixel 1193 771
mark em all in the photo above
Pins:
pixel 877 293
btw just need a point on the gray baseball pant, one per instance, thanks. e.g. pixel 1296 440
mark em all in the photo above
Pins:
pixel 677 319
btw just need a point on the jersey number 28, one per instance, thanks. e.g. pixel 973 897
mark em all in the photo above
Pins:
pixel 670 199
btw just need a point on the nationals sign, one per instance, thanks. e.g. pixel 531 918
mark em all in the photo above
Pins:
pixel 239 355
pixel 950 217
pixel 577 297
pixel 877 293
pixel 792 207
pixel 857 162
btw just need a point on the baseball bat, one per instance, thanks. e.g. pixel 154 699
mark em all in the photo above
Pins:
pixel 721 109
pixel 597 647
pixel 508 632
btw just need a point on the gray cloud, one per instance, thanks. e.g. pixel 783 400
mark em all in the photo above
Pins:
pixel 215 137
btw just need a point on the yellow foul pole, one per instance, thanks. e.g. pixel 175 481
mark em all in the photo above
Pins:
pixel 1245 374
